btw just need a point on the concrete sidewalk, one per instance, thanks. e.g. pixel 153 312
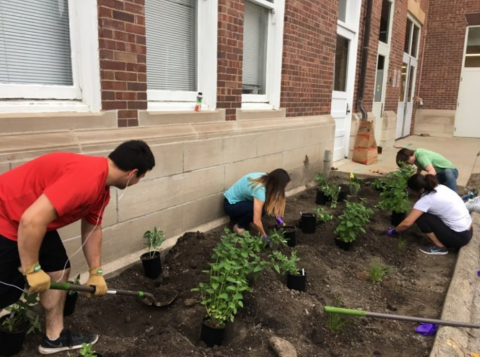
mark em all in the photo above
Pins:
pixel 462 302
pixel 462 152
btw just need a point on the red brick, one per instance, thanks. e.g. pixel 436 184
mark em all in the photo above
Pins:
pixel 122 123
pixel 137 105
pixel 125 96
pixel 112 65
pixel 114 85
pixel 127 114
pixel 104 12
pixel 141 40
pixel 125 57
pixel 123 16
pixel 133 28
pixel 107 95
pixel 126 76
pixel 137 87
pixel 134 8
pixel 132 122
pixel 106 54
pixel 112 105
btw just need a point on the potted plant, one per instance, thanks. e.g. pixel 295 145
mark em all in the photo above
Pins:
pixel 290 235
pixel 296 278
pixel 323 190
pixel 71 298
pixel 354 185
pixel 86 351
pixel 321 215
pixel 21 321
pixel 307 223
pixel 152 264
pixel 353 220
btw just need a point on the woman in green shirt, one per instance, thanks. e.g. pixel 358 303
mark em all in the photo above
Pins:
pixel 253 195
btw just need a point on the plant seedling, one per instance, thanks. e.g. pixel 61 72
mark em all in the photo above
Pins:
pixel 336 322
pixel 377 271
pixel 154 239
pixel 322 215
pixel 284 265
pixel 354 185
pixel 85 351
pixel 22 314
pixel 353 220
pixel 402 243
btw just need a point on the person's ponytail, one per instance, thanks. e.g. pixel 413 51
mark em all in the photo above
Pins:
pixel 430 183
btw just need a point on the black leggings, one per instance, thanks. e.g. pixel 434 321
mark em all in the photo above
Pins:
pixel 428 223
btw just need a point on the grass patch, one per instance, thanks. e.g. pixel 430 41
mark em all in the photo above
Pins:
pixel 377 271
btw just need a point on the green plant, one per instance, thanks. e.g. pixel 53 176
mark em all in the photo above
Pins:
pixel 22 315
pixel 277 238
pixel 377 271
pixel 85 351
pixel 336 322
pixel 284 265
pixel 394 196
pixel 321 181
pixel 321 214
pixel 333 192
pixel 353 220
pixel 75 281
pixel 154 239
pixel 402 243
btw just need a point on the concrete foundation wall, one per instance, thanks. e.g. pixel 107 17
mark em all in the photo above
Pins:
pixel 435 122
pixel 389 128
pixel 195 164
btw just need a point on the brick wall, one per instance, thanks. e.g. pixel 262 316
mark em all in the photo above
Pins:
pixel 444 48
pixel 123 68
pixel 230 56
pixel 308 56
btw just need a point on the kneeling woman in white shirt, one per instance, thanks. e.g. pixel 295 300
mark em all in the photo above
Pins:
pixel 440 213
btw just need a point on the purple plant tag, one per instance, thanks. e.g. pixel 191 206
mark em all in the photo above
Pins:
pixel 427 329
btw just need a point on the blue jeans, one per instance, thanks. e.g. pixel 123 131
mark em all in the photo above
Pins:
pixel 448 177
pixel 242 211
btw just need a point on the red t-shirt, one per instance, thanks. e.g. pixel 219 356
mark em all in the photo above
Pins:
pixel 74 183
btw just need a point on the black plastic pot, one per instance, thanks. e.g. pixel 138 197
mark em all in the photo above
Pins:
pixel 152 267
pixel 343 245
pixel 212 336
pixel 308 223
pixel 11 342
pixel 379 149
pixel 342 195
pixel 321 198
pixel 290 235
pixel 70 303
pixel 397 218
pixel 297 282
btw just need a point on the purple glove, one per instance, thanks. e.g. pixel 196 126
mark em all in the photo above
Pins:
pixel 391 232
pixel 265 238
pixel 427 329
pixel 280 221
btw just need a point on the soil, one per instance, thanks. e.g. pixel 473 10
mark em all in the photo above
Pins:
pixel 416 285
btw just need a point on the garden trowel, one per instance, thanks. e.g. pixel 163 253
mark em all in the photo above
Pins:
pixel 145 298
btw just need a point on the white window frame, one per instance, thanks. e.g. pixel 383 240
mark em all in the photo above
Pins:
pixel 352 21
pixel 84 94
pixel 168 100
pixel 270 100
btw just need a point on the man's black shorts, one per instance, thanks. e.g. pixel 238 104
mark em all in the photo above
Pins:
pixel 52 258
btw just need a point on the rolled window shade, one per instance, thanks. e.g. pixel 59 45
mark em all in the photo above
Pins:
pixel 35 42
pixel 171 44
pixel 254 48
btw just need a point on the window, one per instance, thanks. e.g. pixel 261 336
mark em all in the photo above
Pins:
pixel 262 44
pixel 385 21
pixel 342 10
pixel 182 53
pixel 412 39
pixel 472 56
pixel 341 64
pixel 43 59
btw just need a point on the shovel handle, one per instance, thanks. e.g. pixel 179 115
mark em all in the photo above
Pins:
pixel 343 311
pixel 91 289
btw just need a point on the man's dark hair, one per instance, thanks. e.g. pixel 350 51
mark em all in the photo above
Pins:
pixel 403 155
pixel 133 154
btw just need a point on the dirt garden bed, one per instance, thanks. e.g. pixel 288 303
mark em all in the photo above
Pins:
pixel 416 285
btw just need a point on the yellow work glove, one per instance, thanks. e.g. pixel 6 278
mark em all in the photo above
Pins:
pixel 96 279
pixel 37 279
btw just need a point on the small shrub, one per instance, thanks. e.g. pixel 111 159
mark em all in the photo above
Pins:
pixel 352 221
pixel 322 215
pixel 330 190
pixel 395 196
pixel 22 314
pixel 284 265
pixel 154 239
pixel 377 271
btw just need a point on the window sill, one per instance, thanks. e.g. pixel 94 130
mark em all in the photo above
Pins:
pixel 153 117
pixel 249 114
pixel 42 106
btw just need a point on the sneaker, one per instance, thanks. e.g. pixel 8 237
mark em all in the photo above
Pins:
pixel 434 250
pixel 66 342
pixel 238 230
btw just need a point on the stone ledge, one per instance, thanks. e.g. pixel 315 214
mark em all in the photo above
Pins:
pixel 54 122
pixel 253 114
pixel 150 118
pixel 462 303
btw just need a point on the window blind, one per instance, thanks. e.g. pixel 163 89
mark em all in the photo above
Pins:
pixel 171 44
pixel 254 48
pixel 35 42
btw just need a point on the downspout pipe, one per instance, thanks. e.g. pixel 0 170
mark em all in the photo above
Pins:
pixel 363 69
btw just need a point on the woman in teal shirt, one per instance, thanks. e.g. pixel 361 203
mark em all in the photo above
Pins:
pixel 253 195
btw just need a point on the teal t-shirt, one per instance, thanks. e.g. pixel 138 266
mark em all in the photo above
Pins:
pixel 243 189
pixel 424 157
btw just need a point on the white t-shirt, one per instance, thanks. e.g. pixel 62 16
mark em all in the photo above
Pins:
pixel 448 206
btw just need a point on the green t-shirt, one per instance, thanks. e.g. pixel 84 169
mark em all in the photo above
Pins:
pixel 423 158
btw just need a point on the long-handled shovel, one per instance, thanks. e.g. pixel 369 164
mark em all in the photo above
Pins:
pixel 339 310
pixel 145 298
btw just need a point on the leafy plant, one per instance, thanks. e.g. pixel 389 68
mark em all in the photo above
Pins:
pixel 321 214
pixel 395 196
pixel 85 351
pixel 321 181
pixel 354 185
pixel 353 220
pixel 284 265
pixel 402 243
pixel 333 192
pixel 75 281
pixel 154 239
pixel 22 314
pixel 377 271
pixel 277 238
pixel 336 322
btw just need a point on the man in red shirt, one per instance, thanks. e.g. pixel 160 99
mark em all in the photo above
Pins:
pixel 43 195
